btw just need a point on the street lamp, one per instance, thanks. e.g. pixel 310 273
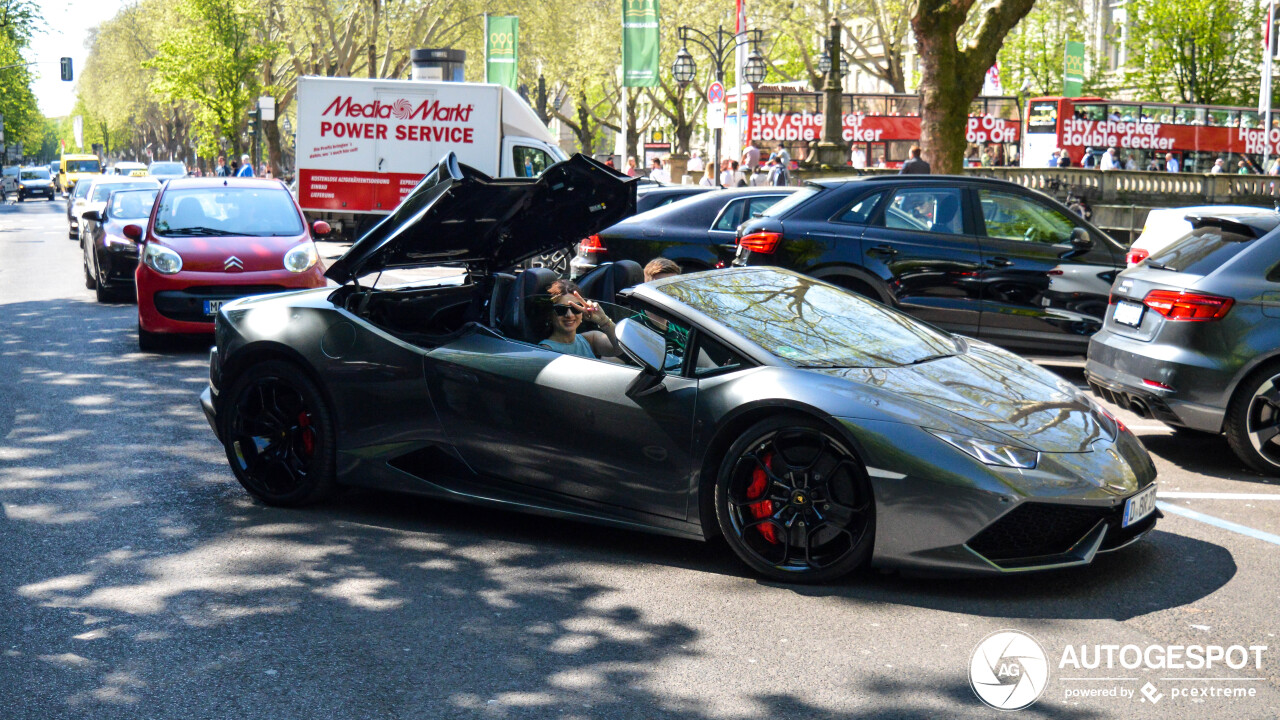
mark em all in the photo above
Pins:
pixel 832 149
pixel 720 45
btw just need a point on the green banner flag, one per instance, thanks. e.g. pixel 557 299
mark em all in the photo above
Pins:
pixel 502 33
pixel 1073 69
pixel 639 43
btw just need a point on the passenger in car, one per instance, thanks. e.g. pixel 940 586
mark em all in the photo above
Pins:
pixel 659 268
pixel 568 310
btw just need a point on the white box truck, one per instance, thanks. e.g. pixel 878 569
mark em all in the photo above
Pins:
pixel 362 145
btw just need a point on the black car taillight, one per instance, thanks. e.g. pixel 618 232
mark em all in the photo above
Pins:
pixel 763 242
pixel 1189 306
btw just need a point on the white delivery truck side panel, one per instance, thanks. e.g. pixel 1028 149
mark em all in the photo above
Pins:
pixel 364 144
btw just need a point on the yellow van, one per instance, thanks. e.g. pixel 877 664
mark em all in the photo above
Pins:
pixel 74 167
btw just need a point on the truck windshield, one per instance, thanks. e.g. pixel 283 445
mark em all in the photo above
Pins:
pixel 83 166
pixel 228 211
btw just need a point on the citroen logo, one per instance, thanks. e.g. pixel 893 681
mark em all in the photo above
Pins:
pixel 232 263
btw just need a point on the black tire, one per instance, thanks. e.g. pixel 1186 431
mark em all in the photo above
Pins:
pixel 90 281
pixel 152 342
pixel 794 501
pixel 278 434
pixel 1253 420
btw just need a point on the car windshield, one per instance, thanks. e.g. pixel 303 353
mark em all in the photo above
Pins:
pixel 35 174
pixel 131 204
pixel 83 166
pixel 794 199
pixel 103 190
pixel 223 210
pixel 809 323
pixel 1200 251
pixel 168 168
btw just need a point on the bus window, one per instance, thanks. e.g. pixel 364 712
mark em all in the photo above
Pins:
pixel 1197 115
pixel 876 155
pixel 1002 108
pixel 1249 119
pixel 976 109
pixel 1042 117
pixel 869 104
pixel 768 103
pixel 899 150
pixel 1220 118
pixel 1091 112
pixel 1199 161
pixel 905 105
pixel 1121 113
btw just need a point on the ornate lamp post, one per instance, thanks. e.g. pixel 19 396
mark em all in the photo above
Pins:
pixel 832 149
pixel 720 45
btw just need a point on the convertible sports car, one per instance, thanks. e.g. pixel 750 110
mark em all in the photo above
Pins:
pixel 816 430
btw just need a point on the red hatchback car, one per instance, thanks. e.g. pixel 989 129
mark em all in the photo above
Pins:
pixel 212 240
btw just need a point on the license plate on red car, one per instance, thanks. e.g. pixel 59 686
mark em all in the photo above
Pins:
pixel 211 307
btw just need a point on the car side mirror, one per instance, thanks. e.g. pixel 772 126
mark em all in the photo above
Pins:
pixel 1080 239
pixel 646 348
pixel 133 232
pixel 320 228
pixel 93 215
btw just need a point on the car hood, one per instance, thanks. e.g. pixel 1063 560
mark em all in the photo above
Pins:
pixel 1000 391
pixel 459 215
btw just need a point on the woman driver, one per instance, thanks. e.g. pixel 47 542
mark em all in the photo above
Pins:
pixel 568 308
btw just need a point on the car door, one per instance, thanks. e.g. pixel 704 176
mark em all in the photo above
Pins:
pixel 563 424
pixel 1038 289
pixel 922 243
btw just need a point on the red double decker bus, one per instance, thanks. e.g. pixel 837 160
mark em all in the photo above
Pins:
pixel 1196 135
pixel 877 126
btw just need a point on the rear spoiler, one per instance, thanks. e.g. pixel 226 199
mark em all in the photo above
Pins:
pixel 1251 227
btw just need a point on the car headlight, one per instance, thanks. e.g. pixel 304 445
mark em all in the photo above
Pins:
pixel 990 453
pixel 162 259
pixel 301 258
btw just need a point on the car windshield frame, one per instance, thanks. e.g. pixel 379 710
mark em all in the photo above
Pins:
pixel 106 188
pixel 807 323
pixel 209 216
pixel 113 206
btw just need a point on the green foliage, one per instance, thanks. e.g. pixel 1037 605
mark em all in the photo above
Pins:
pixel 1034 51
pixel 22 119
pixel 1202 51
pixel 214 61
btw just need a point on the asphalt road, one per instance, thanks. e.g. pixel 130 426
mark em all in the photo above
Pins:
pixel 137 580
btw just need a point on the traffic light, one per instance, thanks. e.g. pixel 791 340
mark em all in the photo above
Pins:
pixel 66 69
pixel 253 121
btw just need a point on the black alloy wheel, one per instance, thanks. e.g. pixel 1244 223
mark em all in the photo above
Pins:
pixel 794 502
pixel 279 435
pixel 1253 421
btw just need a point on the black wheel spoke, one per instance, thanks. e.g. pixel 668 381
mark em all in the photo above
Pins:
pixel 1267 433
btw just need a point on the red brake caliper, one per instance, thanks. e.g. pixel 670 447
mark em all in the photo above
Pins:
pixel 764 508
pixel 308 435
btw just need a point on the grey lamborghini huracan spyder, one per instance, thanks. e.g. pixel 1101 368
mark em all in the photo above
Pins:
pixel 816 430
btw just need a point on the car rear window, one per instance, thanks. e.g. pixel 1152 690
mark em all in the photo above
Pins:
pixel 1200 251
pixel 103 190
pixel 795 199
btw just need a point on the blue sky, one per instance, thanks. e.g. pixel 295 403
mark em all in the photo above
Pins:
pixel 67 27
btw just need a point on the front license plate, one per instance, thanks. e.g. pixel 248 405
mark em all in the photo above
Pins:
pixel 211 306
pixel 1129 313
pixel 1139 506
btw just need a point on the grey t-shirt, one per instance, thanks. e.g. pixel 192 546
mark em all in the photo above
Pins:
pixel 579 347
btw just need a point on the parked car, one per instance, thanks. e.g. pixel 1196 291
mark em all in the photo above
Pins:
pixel 977 256
pixel 648 197
pixel 35 182
pixel 1165 225
pixel 110 257
pixel 167 170
pixel 77 194
pixel 9 180
pixel 1192 337
pixel 817 431
pixel 209 241
pixel 127 168
pixel 97 189
pixel 697 232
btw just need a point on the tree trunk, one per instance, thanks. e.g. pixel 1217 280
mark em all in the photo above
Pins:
pixel 586 137
pixel 373 39
pixel 271 131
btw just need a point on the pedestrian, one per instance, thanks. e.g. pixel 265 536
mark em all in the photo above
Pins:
pixel 1154 165
pixel 915 165
pixel 1171 163
pixel 1053 158
pixel 246 168
pixel 1275 167
pixel 222 170
pixel 1089 161
pixel 1217 167
pixel 659 172
pixel 778 173
pixel 881 163
pixel 1064 160
pixel 739 178
pixel 984 159
pixel 858 158
pixel 632 170
pixel 695 163
pixel 784 157
pixel 1130 163
pixel 708 176
pixel 608 162
pixel 751 155
pixel 1108 161
pixel 1244 169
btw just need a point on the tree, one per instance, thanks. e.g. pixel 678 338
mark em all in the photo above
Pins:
pixel 1034 51
pixel 1199 50
pixel 214 60
pixel 952 68
pixel 22 119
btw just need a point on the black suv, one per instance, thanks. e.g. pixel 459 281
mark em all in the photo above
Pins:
pixel 982 257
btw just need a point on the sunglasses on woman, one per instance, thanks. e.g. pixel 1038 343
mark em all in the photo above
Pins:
pixel 563 310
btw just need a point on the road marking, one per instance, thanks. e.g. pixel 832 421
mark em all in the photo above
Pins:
pixel 1218 496
pixel 1220 523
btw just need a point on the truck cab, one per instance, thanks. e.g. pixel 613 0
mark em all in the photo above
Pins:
pixel 73 168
